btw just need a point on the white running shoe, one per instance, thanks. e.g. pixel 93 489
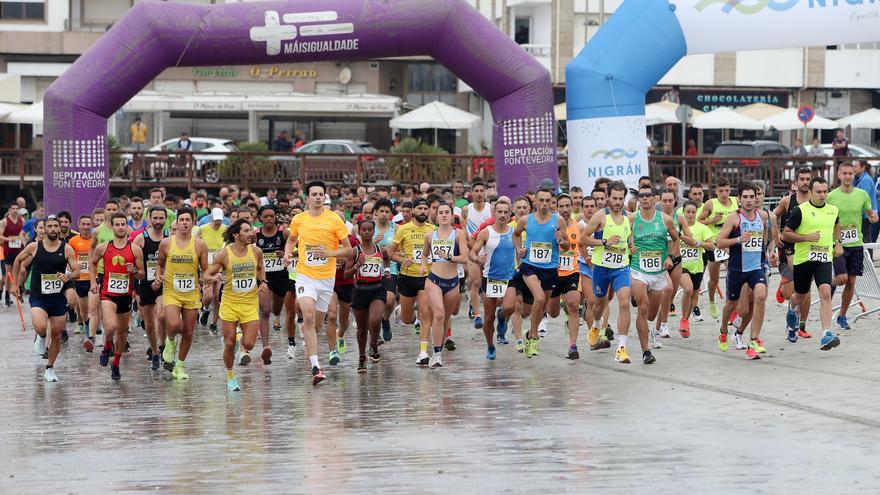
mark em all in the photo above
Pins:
pixel 40 345
pixel 738 341
pixel 436 360
pixel 291 351
pixel 49 375
pixel 395 316
pixel 244 359
pixel 423 359
pixel 542 327
pixel 654 337
pixel 664 330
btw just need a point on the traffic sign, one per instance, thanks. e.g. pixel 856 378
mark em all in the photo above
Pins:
pixel 806 113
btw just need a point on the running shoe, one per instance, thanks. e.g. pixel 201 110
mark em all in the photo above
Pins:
pixel 214 330
pixel 277 326
pixel 291 351
pixel 395 315
pixel 386 330
pixel 672 311
pixel 154 365
pixel 654 337
pixel 684 328
pixel 722 342
pixel 417 328
pixel 753 351
pixel 374 355
pixel 738 341
pixel 203 318
pixel 179 373
pixel 542 327
pixel 317 375
pixel 737 322
pixel 341 346
pixel 436 360
pixel 697 315
pixel 609 333
pixel 49 375
pixel 791 318
pixel 573 352
pixel 232 384
pixel 664 330
pixel 244 359
pixel 648 358
pixel 149 353
pixel 792 335
pixel 802 333
pixel 170 350
pixel 842 323
pixel 104 358
pixel 829 341
pixel 621 356
pixel 490 353
pixel 423 358
pixel 593 336
pixel 779 297
pixel 362 364
pixel 78 330
pixel 114 372
pixel 602 344
pixel 449 345
pixel 40 345
pixel 478 322
pixel 89 344
pixel 520 345
pixel 713 310
pixel 759 345
pixel 266 356
pixel 501 339
pixel 334 358
pixel 535 349
pixel 501 326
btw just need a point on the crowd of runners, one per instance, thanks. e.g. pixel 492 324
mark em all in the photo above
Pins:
pixel 401 259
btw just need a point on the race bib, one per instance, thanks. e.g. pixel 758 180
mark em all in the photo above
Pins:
pixel 650 261
pixel 272 263
pixel 292 266
pixel 849 234
pixel 372 268
pixel 211 256
pixel 151 269
pixel 15 243
pixel 754 243
pixel 613 258
pixel 589 251
pixel 83 260
pixel 312 258
pixel 818 253
pixel 495 289
pixel 184 282
pixel 442 250
pixel 117 283
pixel 460 271
pixel 690 255
pixel 50 283
pixel 417 254
pixel 242 283
pixel 566 262
pixel 721 254
pixel 540 252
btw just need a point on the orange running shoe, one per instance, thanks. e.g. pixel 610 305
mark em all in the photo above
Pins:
pixel 684 328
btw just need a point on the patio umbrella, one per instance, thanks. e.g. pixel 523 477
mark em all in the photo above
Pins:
pixel 788 121
pixel 725 118
pixel 869 119
pixel 560 112
pixel 31 114
pixel 760 111
pixel 661 113
pixel 435 115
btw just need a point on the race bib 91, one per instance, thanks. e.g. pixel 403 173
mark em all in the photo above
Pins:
pixel 495 289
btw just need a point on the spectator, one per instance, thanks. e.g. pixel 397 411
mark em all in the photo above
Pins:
pixel 282 144
pixel 798 149
pixel 396 141
pixel 650 145
pixel 666 150
pixel 841 145
pixel 184 144
pixel 483 166
pixel 692 148
pixel 298 141
pixel 139 133
pixel 816 148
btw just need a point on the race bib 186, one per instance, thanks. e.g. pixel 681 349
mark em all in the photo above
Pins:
pixel 650 261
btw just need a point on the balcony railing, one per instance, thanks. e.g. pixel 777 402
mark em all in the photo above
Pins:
pixel 261 170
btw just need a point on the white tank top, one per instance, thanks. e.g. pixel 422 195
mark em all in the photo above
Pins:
pixel 476 218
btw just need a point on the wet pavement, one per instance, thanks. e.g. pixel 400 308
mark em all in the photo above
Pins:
pixel 698 421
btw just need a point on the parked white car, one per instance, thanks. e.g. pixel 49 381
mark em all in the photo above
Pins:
pixel 856 151
pixel 205 165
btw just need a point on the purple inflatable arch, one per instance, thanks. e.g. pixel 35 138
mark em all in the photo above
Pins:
pixel 153 36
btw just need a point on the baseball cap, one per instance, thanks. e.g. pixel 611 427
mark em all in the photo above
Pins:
pixel 419 202
pixel 217 214
pixel 23 212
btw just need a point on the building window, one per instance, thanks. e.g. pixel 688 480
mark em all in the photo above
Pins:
pixel 22 10
pixel 427 82
pixel 522 30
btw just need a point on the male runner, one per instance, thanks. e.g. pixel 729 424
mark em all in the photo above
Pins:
pixel 814 228
pixel 383 236
pixel 317 234
pixel 568 281
pixel 181 258
pixel 122 264
pixel 545 236
pixel 851 203
pixel 81 244
pixel 212 233
pixel 49 260
pixel 786 250
pixel 13 237
pixel 715 211
pixel 472 215
pixel 152 309
pixel 271 239
pixel 746 233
